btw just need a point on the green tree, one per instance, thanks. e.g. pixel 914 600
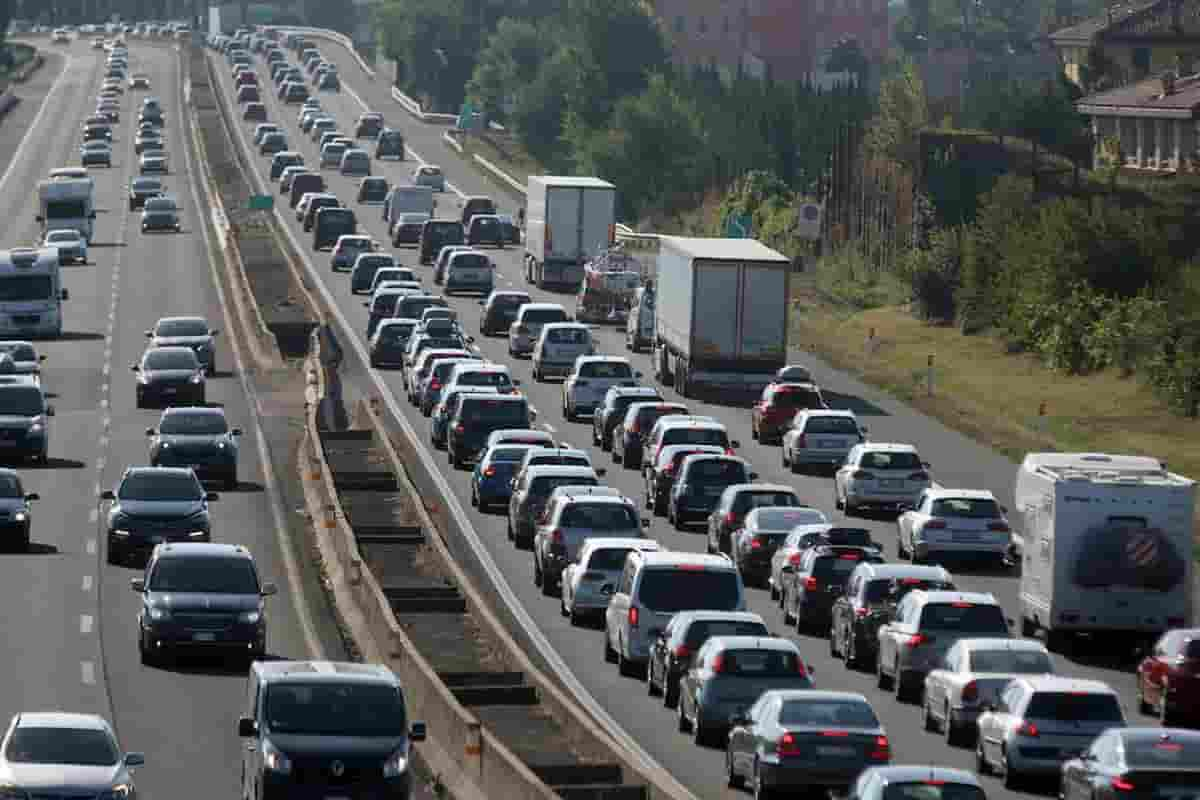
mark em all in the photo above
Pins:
pixel 433 43
pixel 903 112
pixel 512 59
pixel 539 110
pixel 847 56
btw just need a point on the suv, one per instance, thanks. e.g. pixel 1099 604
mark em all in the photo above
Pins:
pixel 779 403
pixel 153 505
pixel 700 481
pixel 926 625
pixel 201 596
pixel 573 515
pixel 199 438
pixel 436 234
pixel 499 311
pixel 528 323
pixel 302 719
pixel 476 418
pixel 589 580
pixel 672 651
pixel 821 438
pixel 684 429
pixel 870 599
pixel 660 476
pixel 629 434
pixel 881 476
pixel 653 587
pixel 557 347
pixel 592 376
pixel 531 492
pixel 808 591
pixel 26 427
pixel 612 410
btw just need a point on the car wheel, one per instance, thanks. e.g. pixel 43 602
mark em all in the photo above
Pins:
pixel 231 482
pixel 148 657
pixel 625 667
pixel 684 725
pixel 956 735
pixel 651 689
pixel 981 765
pixel 1166 714
pixel 670 693
pixel 732 779
pixel 549 585
pixel 474 497
pixel 1012 781
pixel 761 790
pixel 927 721
pixel 537 573
pixel 835 651
pixel 610 655
pixel 882 679
pixel 788 617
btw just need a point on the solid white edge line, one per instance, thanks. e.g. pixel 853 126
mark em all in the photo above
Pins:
pixel 290 565
pixel 28 137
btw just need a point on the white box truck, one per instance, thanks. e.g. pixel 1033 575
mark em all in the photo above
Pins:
pixel 1107 546
pixel 67 203
pixel 721 316
pixel 568 221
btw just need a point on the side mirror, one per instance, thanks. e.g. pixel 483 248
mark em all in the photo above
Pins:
pixel 637 374
pixel 42 358
pixel 65 295
pixel 108 494
pixel 735 444
pixel 268 589
pixel 135 368
pixel 1004 509
pixel 739 718
pixel 149 334
pixel 1012 623
pixel 247 728
pixel 753 476
pixel 482 302
pixel 137 584
pixel 516 382
pixel 926 465
pixel 49 411
pixel 135 759
pixel 32 496
pixel 210 496
pixel 811 669
pixel 236 432
pixel 366 305
pixel 92 215
pixel 417 732
pixel 646 522
pixel 214 332
pixel 601 471
pixel 471 340
pixel 39 218
pixel 151 432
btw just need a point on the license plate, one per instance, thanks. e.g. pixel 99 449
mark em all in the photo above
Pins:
pixel 835 752
pixel 833 589
pixel 468 276
pixel 204 637
pixel 170 390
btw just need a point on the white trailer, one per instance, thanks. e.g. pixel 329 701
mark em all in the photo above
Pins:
pixel 67 203
pixel 1107 546
pixel 568 222
pixel 722 314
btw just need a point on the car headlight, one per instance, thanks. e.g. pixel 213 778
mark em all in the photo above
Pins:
pixel 158 614
pixel 120 532
pixel 164 445
pixel 20 516
pixel 275 760
pixel 36 427
pixel 396 764
pixel 220 445
pixel 250 617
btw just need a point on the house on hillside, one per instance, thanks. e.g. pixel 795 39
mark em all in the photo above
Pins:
pixel 1150 125
pixel 1130 42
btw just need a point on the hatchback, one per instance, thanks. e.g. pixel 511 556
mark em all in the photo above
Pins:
pixel 821 438
pixel 881 476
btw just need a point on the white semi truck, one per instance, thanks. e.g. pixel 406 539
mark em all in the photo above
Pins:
pixel 1107 547
pixel 721 317
pixel 67 203
pixel 568 222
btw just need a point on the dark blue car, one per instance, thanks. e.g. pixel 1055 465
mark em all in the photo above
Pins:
pixel 491 482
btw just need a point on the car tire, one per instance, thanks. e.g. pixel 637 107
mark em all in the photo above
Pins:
pixel 882 680
pixel 956 735
pixel 927 721
pixel 981 764
pixel 147 656
pixel 682 722
pixel 651 689
pixel 626 668
pixel 610 655
pixel 1012 781
pixel 670 694
pixel 761 791
pixel 732 779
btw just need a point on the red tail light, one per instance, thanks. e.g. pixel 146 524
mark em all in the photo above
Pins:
pixel 801 670
pixel 794 559
pixel 729 451
pixel 787 745
pixel 936 524
pixel 683 651
pixel 718 664
pixel 460 428
pixel 633 616
pixel 730 518
pixel 435 384
pixel 1121 785
pixel 1028 729
pixel 490 472
pixel 756 543
pixel 810 584
pixel 837 734
pixel 860 612
pixel 917 639
pixel 634 428
pixel 556 536
pixel 801 441
pixel 998 526
pixel 970 692
pixel 861 475
pixel 669 469
pixel 883 749
pixel 919 476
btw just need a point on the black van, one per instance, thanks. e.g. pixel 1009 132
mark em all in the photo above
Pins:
pixel 436 234
pixel 390 144
pixel 305 182
pixel 330 224
pixel 479 204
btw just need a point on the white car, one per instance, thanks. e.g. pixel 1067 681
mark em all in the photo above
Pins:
pixel 70 244
pixel 590 380
pixel 429 175
pixel 590 580
pixel 880 475
pixel 60 36
pixel 973 674
pixel 954 521
pixel 821 438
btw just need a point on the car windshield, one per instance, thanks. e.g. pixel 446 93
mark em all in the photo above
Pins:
pixel 568 336
pixel 356 243
pixel 608 559
pixel 208 575
pixel 890 460
pixel 160 486
pixel 879 591
pixel 682 589
pixel 470 261
pixel 396 332
pixel 599 516
pixel 79 746
pixel 843 426
pixel 827 714
pixel 792 397
pixel 443 228
pixel 430 171
pixel 701 631
pixel 10 486
pixel 1159 752
pixel 605 369
pixel 160 205
pixel 1020 662
pixel 543 316
pixel 508 455
pixel 329 709
pixel 967 507
pixel 147 183
pixel 754 498
pixel 759 663
pixel 837 567
pixel 717 470
pixel 170 359
pixel 512 413
pixel 1075 707
pixel 964 618
pixel 63 236
pixel 194 424
pixel 21 401
pixel 933 790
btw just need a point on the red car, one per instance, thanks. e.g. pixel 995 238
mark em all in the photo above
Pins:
pixel 1168 680
pixel 773 413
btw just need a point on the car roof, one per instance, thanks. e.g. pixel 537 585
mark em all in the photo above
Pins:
pixel 688 617
pixel 580 360
pixel 1001 643
pixel 916 773
pixel 1062 683
pixel 173 471
pixel 688 419
pixel 889 571
pixel 194 411
pixel 181 319
pixel 828 412
pixel 752 643
pixel 62 719
pixel 594 543
pixel 888 447
pixel 671 558
pixel 818 695
pixel 942 493
pixel 595 495
pixel 324 672
pixel 202 550
pixel 672 449
pixel 170 349
pixel 761 487
pixel 945 596
pixel 560 470
pixel 628 391
pixel 541 307
pixel 512 293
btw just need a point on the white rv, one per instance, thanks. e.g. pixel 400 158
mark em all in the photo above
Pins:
pixel 1107 545
pixel 67 203
pixel 31 293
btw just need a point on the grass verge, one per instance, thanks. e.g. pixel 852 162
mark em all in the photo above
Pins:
pixel 506 153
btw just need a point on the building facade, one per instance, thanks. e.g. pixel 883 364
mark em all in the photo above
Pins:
pixel 1150 126
pixel 1135 40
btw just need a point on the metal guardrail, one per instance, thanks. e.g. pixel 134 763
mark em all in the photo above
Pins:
pixel 341 38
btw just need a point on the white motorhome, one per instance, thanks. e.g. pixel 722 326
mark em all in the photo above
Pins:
pixel 67 202
pixel 1107 545
pixel 31 293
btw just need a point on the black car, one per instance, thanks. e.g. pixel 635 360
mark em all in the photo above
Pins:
pixel 808 592
pixel 14 512
pixel 345 727
pixel 153 505
pixel 486 229
pixel 499 311
pixel 331 223
pixel 1142 761
pixel 169 375
pixel 201 596
pixel 389 341
pixel 512 231
pixel 672 650
pixel 272 143
pixel 200 438
pixel 870 601
pixel 254 112
pixel 699 483
pixel 97 133
pixel 478 416
pixel 294 93
pixel 390 144
pixel 373 190
pixel 436 234
pixel 369 126
pixel 142 189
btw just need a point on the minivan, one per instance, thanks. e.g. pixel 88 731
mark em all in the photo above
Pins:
pixel 558 345
pixel 305 182
pixel 436 234
pixel 469 271
pixel 330 224
pixel 653 587
pixel 23 404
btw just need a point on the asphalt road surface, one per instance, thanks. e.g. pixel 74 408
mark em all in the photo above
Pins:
pixel 69 619
pixel 956 460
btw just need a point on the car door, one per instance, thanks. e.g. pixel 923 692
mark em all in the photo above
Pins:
pixel 837 612
pixel 994 725
pixel 520 484
pixel 743 739
pixel 889 633
pixel 1079 774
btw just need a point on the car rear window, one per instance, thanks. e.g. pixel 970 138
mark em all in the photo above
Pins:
pixel 759 663
pixel 599 516
pixel 843 426
pixel 605 369
pixel 568 336
pixel 1075 707
pixel 609 559
pixel 981 618
pixel 671 589
pixel 827 713
pixel 887 460
pixel 696 435
pixel 543 316
pixel 470 261
pixel 1144 752
pixel 754 498
pixel 933 790
pixel 966 507
pixel 1018 662
pixel 797 398
pixel 543 485
pixel 702 630
pixel 717 470
pixel 646 417
pixel 512 413
pixel 839 565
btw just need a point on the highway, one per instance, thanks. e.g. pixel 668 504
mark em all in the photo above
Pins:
pixel 956 461
pixel 70 617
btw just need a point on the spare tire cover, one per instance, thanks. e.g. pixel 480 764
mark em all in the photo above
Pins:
pixel 1124 555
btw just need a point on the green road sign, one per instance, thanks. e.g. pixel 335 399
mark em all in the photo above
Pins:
pixel 261 202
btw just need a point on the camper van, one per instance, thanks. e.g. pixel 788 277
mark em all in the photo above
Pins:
pixel 1107 546
pixel 31 293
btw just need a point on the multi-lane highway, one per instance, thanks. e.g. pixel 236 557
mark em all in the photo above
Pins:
pixel 956 461
pixel 69 616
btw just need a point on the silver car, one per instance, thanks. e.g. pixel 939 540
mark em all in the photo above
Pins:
pixel 821 438
pixel 590 379
pixel 58 754
pixel 589 581
pixel 923 781
pixel 558 345
pixel 881 476
pixel 1041 722
pixel 573 515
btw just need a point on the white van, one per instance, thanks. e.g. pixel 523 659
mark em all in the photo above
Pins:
pixel 558 345
pixel 654 586
pixel 1107 546
pixel 639 326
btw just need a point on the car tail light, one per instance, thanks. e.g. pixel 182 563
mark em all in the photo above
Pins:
pixel 1001 527
pixel 490 472
pixel 860 612
pixel 918 639
pixel 1028 729
pixel 936 524
pixel 794 559
pixel 633 428
pixel 787 745
pixel 850 556
pixel 970 692
pixel 435 384
pixel 837 734
pixel 460 428
pixel 919 476
pixel 682 651
pixel 718 664
pixel 862 475
pixel 1121 785
pixel 810 584
pixel 556 536
pixel 633 616
pixel 883 749
pixel 730 518
pixel 729 451
pixel 756 543
pixel 669 469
